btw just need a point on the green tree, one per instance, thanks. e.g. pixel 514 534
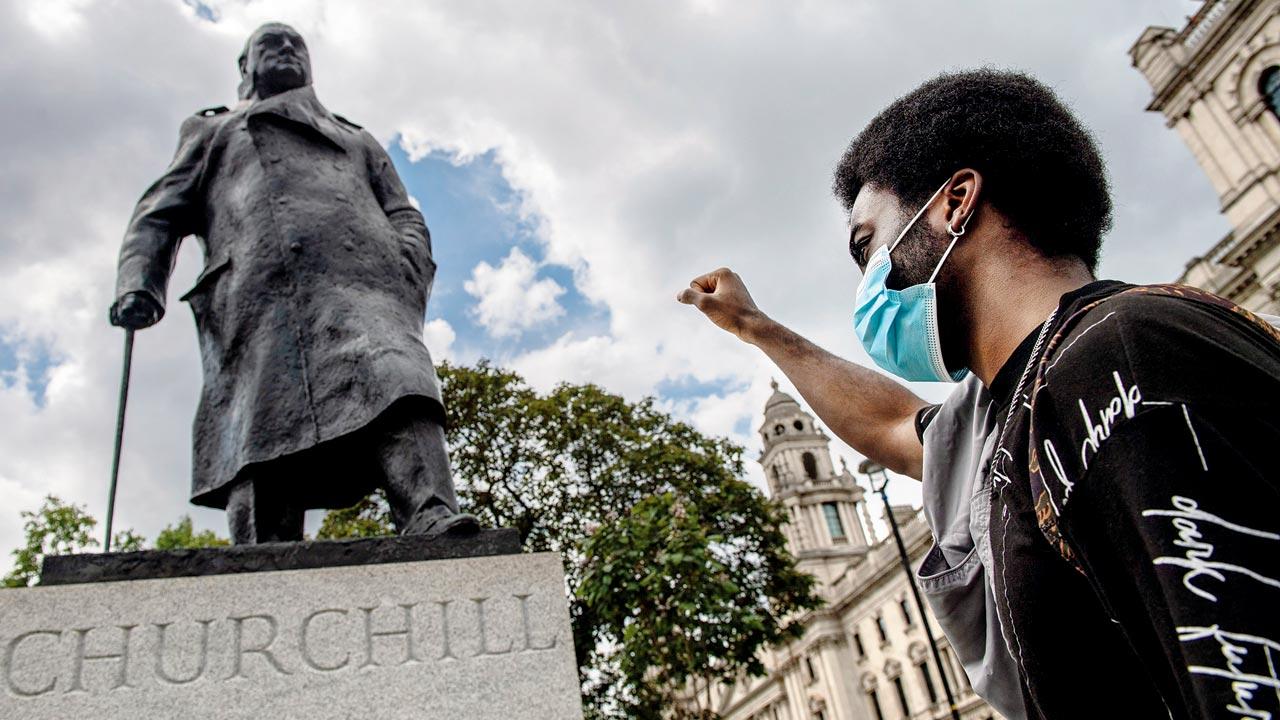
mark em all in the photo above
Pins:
pixel 127 541
pixel 676 566
pixel 693 585
pixel 371 517
pixel 58 528
pixel 182 535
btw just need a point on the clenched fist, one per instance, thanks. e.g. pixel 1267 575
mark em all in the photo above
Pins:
pixel 722 297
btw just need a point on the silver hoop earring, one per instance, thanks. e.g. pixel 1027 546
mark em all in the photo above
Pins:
pixel 963 226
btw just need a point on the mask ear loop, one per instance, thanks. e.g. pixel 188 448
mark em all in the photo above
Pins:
pixel 955 238
pixel 919 212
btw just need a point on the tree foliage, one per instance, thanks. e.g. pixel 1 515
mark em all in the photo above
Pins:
pixel 371 517
pixel 676 566
pixel 694 585
pixel 58 528
pixel 182 535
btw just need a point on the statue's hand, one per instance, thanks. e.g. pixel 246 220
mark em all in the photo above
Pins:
pixel 723 298
pixel 135 311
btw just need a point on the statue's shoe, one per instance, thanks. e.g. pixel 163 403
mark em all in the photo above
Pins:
pixel 445 525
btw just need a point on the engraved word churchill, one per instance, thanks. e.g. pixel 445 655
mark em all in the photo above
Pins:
pixel 318 268
pixel 256 646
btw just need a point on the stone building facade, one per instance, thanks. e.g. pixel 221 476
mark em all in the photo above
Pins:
pixel 864 655
pixel 1217 82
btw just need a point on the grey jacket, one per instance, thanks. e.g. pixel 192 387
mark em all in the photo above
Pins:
pixel 958 445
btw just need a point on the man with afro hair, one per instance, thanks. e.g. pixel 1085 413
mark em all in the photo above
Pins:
pixel 1102 484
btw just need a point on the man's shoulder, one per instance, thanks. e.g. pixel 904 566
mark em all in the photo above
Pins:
pixel 1169 337
pixel 1164 317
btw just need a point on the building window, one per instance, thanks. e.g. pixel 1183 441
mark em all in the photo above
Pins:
pixel 834 526
pixel 779 429
pixel 857 643
pixel 951 664
pixel 873 699
pixel 884 635
pixel 902 697
pixel 810 675
pixel 810 465
pixel 906 613
pixel 798 425
pixel 923 667
pixel 1269 86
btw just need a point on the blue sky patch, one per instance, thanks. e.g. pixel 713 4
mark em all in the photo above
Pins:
pixel 32 360
pixel 687 387
pixel 473 214
pixel 204 12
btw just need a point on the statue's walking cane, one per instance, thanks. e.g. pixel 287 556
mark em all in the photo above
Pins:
pixel 115 457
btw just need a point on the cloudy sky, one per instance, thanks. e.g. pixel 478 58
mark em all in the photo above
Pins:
pixel 577 162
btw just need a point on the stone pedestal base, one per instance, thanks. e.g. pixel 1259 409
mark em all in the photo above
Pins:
pixel 481 637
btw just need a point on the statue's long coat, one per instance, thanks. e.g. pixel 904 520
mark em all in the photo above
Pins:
pixel 311 303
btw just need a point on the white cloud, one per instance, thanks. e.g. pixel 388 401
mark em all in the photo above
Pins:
pixel 510 298
pixel 16 497
pixel 655 141
pixel 55 18
pixel 619 366
pixel 438 335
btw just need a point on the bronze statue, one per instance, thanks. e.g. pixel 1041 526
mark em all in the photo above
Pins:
pixel 317 386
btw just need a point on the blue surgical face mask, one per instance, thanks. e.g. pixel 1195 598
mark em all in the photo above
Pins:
pixel 899 328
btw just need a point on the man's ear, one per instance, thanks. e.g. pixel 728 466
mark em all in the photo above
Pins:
pixel 960 198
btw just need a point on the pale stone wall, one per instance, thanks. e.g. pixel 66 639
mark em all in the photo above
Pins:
pixel 1205 80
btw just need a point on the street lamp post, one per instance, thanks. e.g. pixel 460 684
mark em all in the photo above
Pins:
pixel 867 468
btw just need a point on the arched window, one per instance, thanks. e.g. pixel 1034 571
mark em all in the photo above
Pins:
pixel 810 465
pixel 835 528
pixel 1269 86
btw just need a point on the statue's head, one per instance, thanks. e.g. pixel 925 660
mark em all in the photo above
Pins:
pixel 274 60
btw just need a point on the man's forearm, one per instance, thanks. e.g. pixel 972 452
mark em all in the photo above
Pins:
pixel 870 412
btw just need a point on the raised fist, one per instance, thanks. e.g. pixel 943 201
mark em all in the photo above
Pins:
pixel 723 298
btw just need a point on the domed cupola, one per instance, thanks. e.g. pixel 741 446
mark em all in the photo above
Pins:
pixel 825 529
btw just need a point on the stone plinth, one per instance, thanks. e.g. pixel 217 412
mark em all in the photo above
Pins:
pixel 151 564
pixel 482 637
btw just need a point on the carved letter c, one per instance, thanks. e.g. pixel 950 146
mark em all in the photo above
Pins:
pixel 12 650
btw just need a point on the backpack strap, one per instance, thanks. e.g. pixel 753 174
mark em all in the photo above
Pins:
pixel 1046 511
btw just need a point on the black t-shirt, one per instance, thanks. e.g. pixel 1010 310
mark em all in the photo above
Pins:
pixel 1156 424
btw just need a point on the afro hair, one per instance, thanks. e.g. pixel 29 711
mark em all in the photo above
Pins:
pixel 1039 165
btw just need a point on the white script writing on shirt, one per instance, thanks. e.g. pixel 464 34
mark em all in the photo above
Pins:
pixel 1250 666
pixel 1121 404
pixel 1198 560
